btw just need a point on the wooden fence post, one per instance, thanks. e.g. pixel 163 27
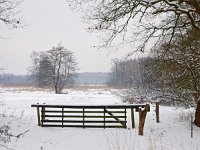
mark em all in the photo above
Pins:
pixel 142 117
pixel 104 118
pixel 38 115
pixel 157 112
pixel 62 117
pixel 125 119
pixel 83 117
pixel 132 118
pixel 191 126
pixel 43 114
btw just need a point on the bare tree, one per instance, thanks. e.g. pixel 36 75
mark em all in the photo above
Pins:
pixel 8 13
pixel 146 19
pixel 180 68
pixel 56 67
pixel 41 70
pixel 33 69
pixel 64 67
pixel 45 72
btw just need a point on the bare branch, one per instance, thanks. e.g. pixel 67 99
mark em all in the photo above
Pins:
pixel 114 18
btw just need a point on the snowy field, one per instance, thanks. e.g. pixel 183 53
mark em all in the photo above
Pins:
pixel 172 133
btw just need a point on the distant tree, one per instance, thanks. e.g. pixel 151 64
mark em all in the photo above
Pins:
pixel 45 72
pixel 33 70
pixel 56 67
pixel 132 73
pixel 64 67
pixel 115 75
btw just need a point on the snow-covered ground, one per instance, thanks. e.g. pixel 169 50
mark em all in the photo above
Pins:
pixel 172 133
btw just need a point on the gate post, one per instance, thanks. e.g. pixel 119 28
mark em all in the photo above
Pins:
pixel 132 118
pixel 38 115
pixel 142 117
pixel 83 117
pixel 43 115
pixel 62 117
pixel 104 118
pixel 125 124
pixel 157 112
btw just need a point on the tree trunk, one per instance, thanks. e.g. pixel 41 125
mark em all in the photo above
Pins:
pixel 56 89
pixel 197 115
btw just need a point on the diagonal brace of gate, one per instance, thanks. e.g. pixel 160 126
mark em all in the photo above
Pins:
pixel 111 114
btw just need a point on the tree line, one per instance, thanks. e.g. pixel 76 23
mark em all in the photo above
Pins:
pixel 171 71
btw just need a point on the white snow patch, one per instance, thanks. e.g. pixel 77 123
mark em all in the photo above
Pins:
pixel 172 133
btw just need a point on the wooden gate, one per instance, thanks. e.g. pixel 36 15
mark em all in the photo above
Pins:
pixel 101 116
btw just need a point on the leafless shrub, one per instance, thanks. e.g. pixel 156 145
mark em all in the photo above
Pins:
pixel 4 134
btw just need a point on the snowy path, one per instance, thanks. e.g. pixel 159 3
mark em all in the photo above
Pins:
pixel 173 133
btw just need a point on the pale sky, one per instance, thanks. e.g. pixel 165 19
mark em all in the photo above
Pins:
pixel 49 22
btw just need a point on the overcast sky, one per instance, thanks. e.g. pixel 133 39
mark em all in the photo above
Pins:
pixel 49 22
